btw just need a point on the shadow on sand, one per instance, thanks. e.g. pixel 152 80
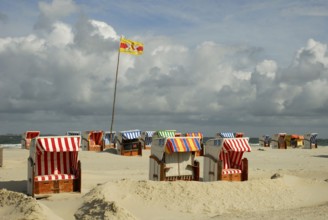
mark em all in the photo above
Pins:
pixel 16 186
pixel 322 156
pixel 110 150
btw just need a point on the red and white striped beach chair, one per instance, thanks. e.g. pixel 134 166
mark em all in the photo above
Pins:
pixel 53 165
pixel 27 137
pixel 223 159
pixel 92 141
pixel 173 158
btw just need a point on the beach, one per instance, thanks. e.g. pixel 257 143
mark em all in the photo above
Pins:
pixel 283 184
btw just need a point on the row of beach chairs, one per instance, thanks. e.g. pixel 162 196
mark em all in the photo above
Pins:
pixel 174 158
pixel 284 141
pixel 129 142
pixel 54 167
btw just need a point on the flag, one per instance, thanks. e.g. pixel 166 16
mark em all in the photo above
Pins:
pixel 131 47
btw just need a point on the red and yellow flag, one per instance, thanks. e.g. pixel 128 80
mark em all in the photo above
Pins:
pixel 131 47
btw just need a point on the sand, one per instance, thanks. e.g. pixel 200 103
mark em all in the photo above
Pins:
pixel 283 184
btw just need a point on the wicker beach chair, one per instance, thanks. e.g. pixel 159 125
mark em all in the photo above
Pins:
pixel 128 143
pixel 147 138
pixel 223 159
pixel 92 141
pixel 264 140
pixel 108 141
pixel 53 165
pixel 173 158
pixel 310 140
pixel 27 137
pixel 278 141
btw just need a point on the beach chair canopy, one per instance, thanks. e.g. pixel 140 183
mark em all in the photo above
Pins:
pixel 131 134
pixel 182 144
pixel 232 152
pixel 236 145
pixel 58 144
pixel 294 136
pixel 32 134
pixel 165 133
pixel 226 135
pixel 194 134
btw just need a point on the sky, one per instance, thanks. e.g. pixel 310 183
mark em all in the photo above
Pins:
pixel 257 67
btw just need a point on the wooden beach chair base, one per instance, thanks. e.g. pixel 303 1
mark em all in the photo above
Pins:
pixel 130 153
pixel 96 148
pixel 220 175
pixel 131 149
pixel 55 186
pixel 108 146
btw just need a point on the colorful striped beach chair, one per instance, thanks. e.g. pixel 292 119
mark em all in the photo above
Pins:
pixel 223 159
pixel 310 141
pixel 173 158
pixel 53 165
pixel 200 136
pixel 128 143
pixel 27 137
pixel 108 140
pixel 92 141
pixel 147 138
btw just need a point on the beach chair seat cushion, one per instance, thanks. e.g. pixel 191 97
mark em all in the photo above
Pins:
pixel 54 177
pixel 231 171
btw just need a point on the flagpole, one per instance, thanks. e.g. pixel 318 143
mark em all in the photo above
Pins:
pixel 113 110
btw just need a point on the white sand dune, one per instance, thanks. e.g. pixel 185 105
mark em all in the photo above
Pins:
pixel 116 187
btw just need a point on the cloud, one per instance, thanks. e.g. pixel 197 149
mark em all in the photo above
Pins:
pixel 295 90
pixel 54 11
